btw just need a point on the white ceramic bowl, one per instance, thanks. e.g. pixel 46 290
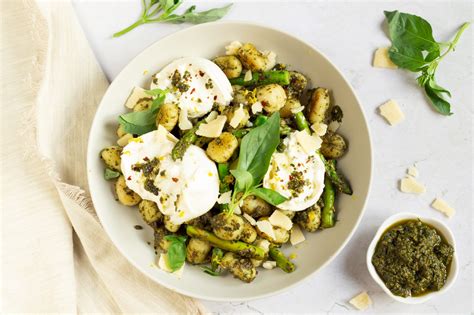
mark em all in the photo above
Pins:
pixel 208 40
pixel 442 228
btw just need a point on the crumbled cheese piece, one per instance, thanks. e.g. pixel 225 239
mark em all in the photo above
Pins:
pixel 281 220
pixel 163 264
pixel 212 115
pixel 264 244
pixel 296 235
pixel 269 264
pixel 184 123
pixel 296 110
pixel 271 60
pixel 412 171
pixel 265 227
pixel 136 94
pixel 392 112
pixel 382 59
pixel 233 48
pixel 334 125
pixel 319 128
pixel 237 210
pixel 224 198
pixel 442 206
pixel 250 219
pixel 249 124
pixel 412 186
pixel 361 301
pixel 248 76
pixel 123 141
pixel 257 107
pixel 309 143
pixel 212 129
pixel 239 114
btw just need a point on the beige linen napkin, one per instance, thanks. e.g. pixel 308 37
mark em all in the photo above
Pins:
pixel 55 255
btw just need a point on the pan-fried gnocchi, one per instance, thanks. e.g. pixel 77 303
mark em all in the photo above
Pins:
pixel 221 162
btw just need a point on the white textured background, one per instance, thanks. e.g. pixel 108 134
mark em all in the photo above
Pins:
pixel 348 32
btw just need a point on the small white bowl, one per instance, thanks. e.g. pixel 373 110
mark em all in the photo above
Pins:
pixel 446 233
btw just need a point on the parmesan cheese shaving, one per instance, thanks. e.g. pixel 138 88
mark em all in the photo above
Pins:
pixel 248 76
pixel 412 186
pixel 412 171
pixel 136 94
pixel 184 123
pixel 443 207
pixel 382 59
pixel 123 141
pixel 279 219
pixel 257 107
pixel 269 264
pixel 361 301
pixel 319 128
pixel 333 126
pixel 212 115
pixel 296 110
pixel 233 48
pixel 266 228
pixel 212 129
pixel 239 114
pixel 296 235
pixel 250 219
pixel 392 112
pixel 309 143
pixel 224 198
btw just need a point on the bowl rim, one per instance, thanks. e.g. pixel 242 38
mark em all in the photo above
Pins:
pixel 122 251
pixel 446 233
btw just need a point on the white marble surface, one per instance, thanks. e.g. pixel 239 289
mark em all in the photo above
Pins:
pixel 442 147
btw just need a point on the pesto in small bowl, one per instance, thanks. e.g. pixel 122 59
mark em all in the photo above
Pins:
pixel 412 258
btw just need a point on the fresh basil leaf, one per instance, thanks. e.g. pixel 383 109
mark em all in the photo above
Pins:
pixel 406 57
pixel 439 103
pixel 211 272
pixel 139 123
pixel 190 16
pixel 258 146
pixel 413 31
pixel 438 89
pixel 243 180
pixel 110 174
pixel 272 197
pixel 175 238
pixel 176 251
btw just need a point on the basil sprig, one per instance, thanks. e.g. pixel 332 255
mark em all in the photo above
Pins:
pixel 176 251
pixel 138 123
pixel 255 154
pixel 415 49
pixel 161 11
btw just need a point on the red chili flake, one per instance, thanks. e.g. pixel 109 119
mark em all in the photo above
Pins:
pixel 129 178
pixel 175 179
pixel 215 97
pixel 290 177
pixel 146 159
pixel 201 73
pixel 264 103
pixel 193 90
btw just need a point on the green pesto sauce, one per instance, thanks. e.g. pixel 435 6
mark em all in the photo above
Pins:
pixel 412 258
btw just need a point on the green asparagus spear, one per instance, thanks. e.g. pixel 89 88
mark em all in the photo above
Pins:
pixel 241 248
pixel 183 144
pixel 216 258
pixel 336 177
pixel 240 133
pixel 328 214
pixel 262 78
pixel 282 262
pixel 301 121
pixel 260 120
